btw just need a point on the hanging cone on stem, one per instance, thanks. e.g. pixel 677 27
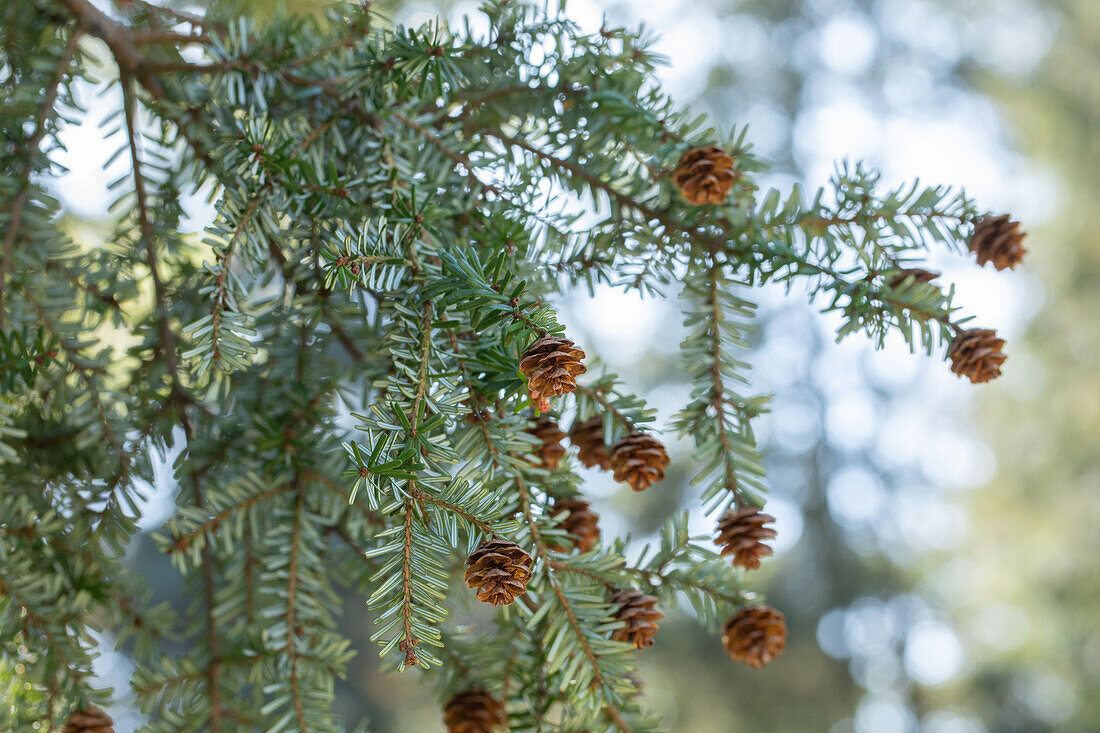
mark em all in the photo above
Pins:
pixel 473 711
pixel 741 533
pixel 914 275
pixel 705 175
pixel 578 519
pixel 551 366
pixel 976 353
pixel 89 720
pixel 499 569
pixel 588 437
pixel 639 460
pixel 998 239
pixel 550 451
pixel 755 636
pixel 640 614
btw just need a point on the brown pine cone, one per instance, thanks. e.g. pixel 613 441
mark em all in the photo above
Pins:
pixel 755 636
pixel 476 415
pixel 473 711
pixel 976 353
pixel 705 175
pixel 551 366
pixel 550 451
pixel 89 720
pixel 742 534
pixel 499 569
pixel 640 460
pixel 582 524
pixel 640 614
pixel 998 239
pixel 917 274
pixel 588 437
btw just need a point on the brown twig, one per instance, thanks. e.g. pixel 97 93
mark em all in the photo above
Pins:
pixel 718 394
pixel 608 405
pixel 167 336
pixel 291 595
pixel 20 201
pixel 555 586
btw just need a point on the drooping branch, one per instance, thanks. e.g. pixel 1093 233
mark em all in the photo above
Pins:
pixel 19 203
pixel 555 586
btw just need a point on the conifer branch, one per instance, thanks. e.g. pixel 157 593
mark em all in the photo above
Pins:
pixel 291 598
pixel 718 398
pixel 148 236
pixel 221 284
pixel 15 211
pixel 582 639
pixel 409 641
pixel 469 184
pixel 213 642
pixel 601 399
pixel 180 543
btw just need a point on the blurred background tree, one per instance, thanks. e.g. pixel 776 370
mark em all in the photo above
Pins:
pixel 914 604
pixel 1027 593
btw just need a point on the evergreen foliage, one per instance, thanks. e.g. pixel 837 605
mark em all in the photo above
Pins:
pixel 336 357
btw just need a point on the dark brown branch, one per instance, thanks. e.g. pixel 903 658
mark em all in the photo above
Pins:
pixel 555 586
pixel 181 543
pixel 221 283
pixel 19 203
pixel 164 38
pixel 213 642
pixel 118 38
pixel 177 15
pixel 291 594
pixel 455 156
pixel 718 394
pixel 608 405
pixel 145 223
pixel 90 288
pixel 483 526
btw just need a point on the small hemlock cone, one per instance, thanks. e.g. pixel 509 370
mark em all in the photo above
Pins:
pixel 480 414
pixel 755 636
pixel 473 711
pixel 550 451
pixel 640 460
pixel 917 274
pixel 976 353
pixel 998 239
pixel 581 523
pixel 551 366
pixel 89 720
pixel 588 437
pixel 705 175
pixel 742 534
pixel 499 570
pixel 640 615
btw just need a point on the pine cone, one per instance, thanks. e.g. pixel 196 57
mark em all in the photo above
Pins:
pixel 705 175
pixel 478 415
pixel 581 524
pixel 742 535
pixel 640 614
pixel 550 451
pixel 499 569
pixel 473 711
pixel 551 366
pixel 640 460
pixel 89 720
pixel 755 636
pixel 998 239
pixel 976 353
pixel 917 274
pixel 588 437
